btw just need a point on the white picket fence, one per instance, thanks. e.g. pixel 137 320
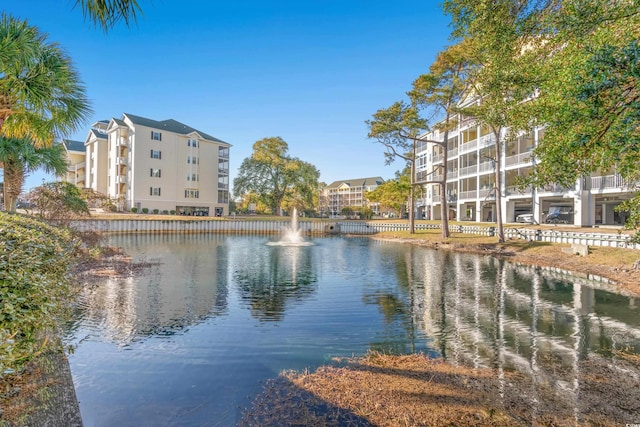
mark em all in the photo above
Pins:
pixel 122 226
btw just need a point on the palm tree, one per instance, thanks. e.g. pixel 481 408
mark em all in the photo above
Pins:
pixel 41 95
pixel 18 157
pixel 106 13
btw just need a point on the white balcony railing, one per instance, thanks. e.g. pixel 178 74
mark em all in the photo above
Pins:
pixel 486 167
pixel 487 140
pixel 518 159
pixel 469 170
pixel 607 181
pixel 471 194
pixel 469 146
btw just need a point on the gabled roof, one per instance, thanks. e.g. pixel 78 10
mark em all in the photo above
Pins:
pixel 72 145
pixel 358 182
pixel 98 134
pixel 170 125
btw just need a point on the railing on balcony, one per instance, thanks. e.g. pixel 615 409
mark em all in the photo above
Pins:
pixel 121 179
pixel 470 194
pixel 607 181
pixel 452 153
pixel 436 199
pixel 514 190
pixel 468 170
pixel 486 167
pixel 122 142
pixel 487 140
pixel 469 146
pixel 121 160
pixel 438 158
pixel 486 193
pixel 518 159
pixel 556 188
pixel 452 174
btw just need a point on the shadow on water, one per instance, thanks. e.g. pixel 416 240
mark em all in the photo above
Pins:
pixel 282 403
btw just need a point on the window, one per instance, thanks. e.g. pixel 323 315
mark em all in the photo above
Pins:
pixel 156 154
pixel 195 177
pixel 154 191
pixel 155 173
pixel 188 159
pixel 157 136
pixel 192 160
pixel 191 194
pixel 192 143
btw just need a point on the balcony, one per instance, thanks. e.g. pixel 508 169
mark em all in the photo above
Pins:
pixel 513 190
pixel 486 193
pixel 468 170
pixel 437 158
pixel 453 152
pixel 120 161
pixel 607 182
pixel 452 174
pixel 523 158
pixel 122 142
pixel 471 194
pixel 121 179
pixel 486 167
pixel 469 146
pixel 487 140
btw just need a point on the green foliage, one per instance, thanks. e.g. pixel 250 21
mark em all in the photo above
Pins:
pixel 172 212
pixel 392 195
pixel 135 210
pixel 41 94
pixel 35 291
pixel 274 178
pixel 107 13
pixel 58 203
pixel 165 212
pixel 155 211
pixel 145 210
pixel 19 156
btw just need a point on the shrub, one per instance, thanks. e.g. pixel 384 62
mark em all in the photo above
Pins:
pixel 145 210
pixel 165 212
pixel 34 287
pixel 172 212
pixel 134 210
pixel 155 211
pixel 59 203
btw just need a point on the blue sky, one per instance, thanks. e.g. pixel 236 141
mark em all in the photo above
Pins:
pixel 308 71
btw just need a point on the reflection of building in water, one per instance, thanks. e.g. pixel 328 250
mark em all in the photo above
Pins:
pixel 182 286
pixel 484 312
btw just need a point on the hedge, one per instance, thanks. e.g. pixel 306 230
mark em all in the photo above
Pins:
pixel 35 287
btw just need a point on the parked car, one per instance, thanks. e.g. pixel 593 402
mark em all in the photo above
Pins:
pixel 525 218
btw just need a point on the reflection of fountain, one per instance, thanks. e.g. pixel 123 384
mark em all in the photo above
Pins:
pixel 292 235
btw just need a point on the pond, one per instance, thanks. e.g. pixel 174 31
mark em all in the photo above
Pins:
pixel 192 339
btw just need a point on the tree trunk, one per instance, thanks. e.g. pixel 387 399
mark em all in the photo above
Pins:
pixel 412 200
pixel 498 184
pixel 444 202
pixel 13 180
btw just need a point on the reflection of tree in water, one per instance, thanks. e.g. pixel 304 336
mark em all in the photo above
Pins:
pixel 269 280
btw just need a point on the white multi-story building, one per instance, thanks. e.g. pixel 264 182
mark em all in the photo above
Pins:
pixel 76 170
pixel 164 165
pixel 471 150
pixel 349 193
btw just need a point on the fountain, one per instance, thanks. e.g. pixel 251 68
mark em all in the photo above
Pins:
pixel 292 235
